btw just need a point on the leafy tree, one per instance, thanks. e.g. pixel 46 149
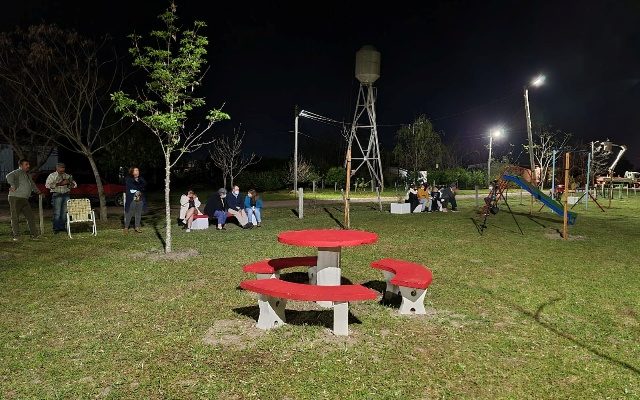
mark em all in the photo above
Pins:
pixel 337 175
pixel 418 146
pixel 226 154
pixel 173 68
pixel 64 81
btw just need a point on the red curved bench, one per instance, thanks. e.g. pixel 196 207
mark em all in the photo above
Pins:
pixel 408 279
pixel 270 268
pixel 274 294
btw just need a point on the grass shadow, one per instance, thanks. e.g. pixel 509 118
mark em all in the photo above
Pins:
pixel 340 224
pixel 536 317
pixel 392 300
pixel 295 212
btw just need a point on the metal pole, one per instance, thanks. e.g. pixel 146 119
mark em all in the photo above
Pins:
pixel 586 183
pixel 530 137
pixel 565 197
pixel 553 175
pixel 295 157
pixel 489 161
pixel 379 199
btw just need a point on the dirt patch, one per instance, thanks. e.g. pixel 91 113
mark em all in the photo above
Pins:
pixel 232 333
pixel 159 255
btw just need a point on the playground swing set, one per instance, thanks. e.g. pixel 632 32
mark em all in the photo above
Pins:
pixel 514 174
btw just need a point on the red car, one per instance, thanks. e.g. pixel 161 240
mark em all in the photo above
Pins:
pixel 87 188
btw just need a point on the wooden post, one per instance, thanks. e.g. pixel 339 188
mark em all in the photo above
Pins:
pixel 300 203
pixel 565 197
pixel 40 196
pixel 477 197
pixel 347 219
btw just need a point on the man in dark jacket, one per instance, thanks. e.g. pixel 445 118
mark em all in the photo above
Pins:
pixel 217 207
pixel 236 208
pixel 449 196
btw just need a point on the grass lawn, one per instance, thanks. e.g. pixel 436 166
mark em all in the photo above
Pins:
pixel 510 316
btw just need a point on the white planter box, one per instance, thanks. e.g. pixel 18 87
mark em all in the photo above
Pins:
pixel 400 208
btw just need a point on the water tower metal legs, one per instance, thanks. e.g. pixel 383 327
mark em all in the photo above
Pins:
pixel 366 152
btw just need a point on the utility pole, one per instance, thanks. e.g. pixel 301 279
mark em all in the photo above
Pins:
pixel 295 151
pixel 530 137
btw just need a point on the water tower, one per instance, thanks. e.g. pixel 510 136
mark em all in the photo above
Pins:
pixel 364 130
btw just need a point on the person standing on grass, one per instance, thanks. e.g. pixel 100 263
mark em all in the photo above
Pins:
pixel 189 208
pixel 135 200
pixel 253 206
pixel 236 208
pixel 59 184
pixel 217 207
pixel 20 187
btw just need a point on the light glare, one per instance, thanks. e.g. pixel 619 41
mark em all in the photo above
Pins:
pixel 538 81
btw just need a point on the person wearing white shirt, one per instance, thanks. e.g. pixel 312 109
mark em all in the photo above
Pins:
pixel 59 184
pixel 189 207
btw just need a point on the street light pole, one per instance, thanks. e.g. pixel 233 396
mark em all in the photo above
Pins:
pixel 494 132
pixel 295 154
pixel 539 80
pixel 529 133
pixel 489 161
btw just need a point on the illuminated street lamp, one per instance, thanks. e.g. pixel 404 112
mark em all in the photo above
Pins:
pixel 496 132
pixel 536 82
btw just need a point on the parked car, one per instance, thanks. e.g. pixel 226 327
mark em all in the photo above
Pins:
pixel 87 188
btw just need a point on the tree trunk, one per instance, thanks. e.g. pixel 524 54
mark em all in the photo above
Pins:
pixel 224 180
pixel 167 204
pixel 96 174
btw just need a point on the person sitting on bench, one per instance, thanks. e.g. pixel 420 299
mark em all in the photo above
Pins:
pixel 217 207
pixel 435 200
pixel 423 197
pixel 236 208
pixel 412 196
pixel 449 196
pixel 189 207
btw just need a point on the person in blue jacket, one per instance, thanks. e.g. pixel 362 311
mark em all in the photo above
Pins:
pixel 253 206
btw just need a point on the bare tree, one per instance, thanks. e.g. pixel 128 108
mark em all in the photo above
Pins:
pixel 173 67
pixel 18 129
pixel 62 78
pixel 226 154
pixel 544 143
pixel 306 171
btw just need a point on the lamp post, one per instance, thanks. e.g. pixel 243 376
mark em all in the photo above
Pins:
pixel 538 81
pixel 295 150
pixel 497 133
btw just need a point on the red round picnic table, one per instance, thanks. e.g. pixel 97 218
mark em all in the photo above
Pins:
pixel 327 238
pixel 329 243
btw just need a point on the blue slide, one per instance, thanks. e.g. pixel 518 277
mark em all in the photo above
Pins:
pixel 554 205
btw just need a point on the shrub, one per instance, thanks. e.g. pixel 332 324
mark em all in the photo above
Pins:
pixel 262 181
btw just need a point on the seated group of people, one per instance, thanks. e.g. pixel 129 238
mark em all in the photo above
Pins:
pixel 219 206
pixel 426 198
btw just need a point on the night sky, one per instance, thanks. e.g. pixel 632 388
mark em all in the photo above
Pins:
pixel 463 64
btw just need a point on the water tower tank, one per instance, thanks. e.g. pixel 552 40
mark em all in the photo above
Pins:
pixel 367 64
